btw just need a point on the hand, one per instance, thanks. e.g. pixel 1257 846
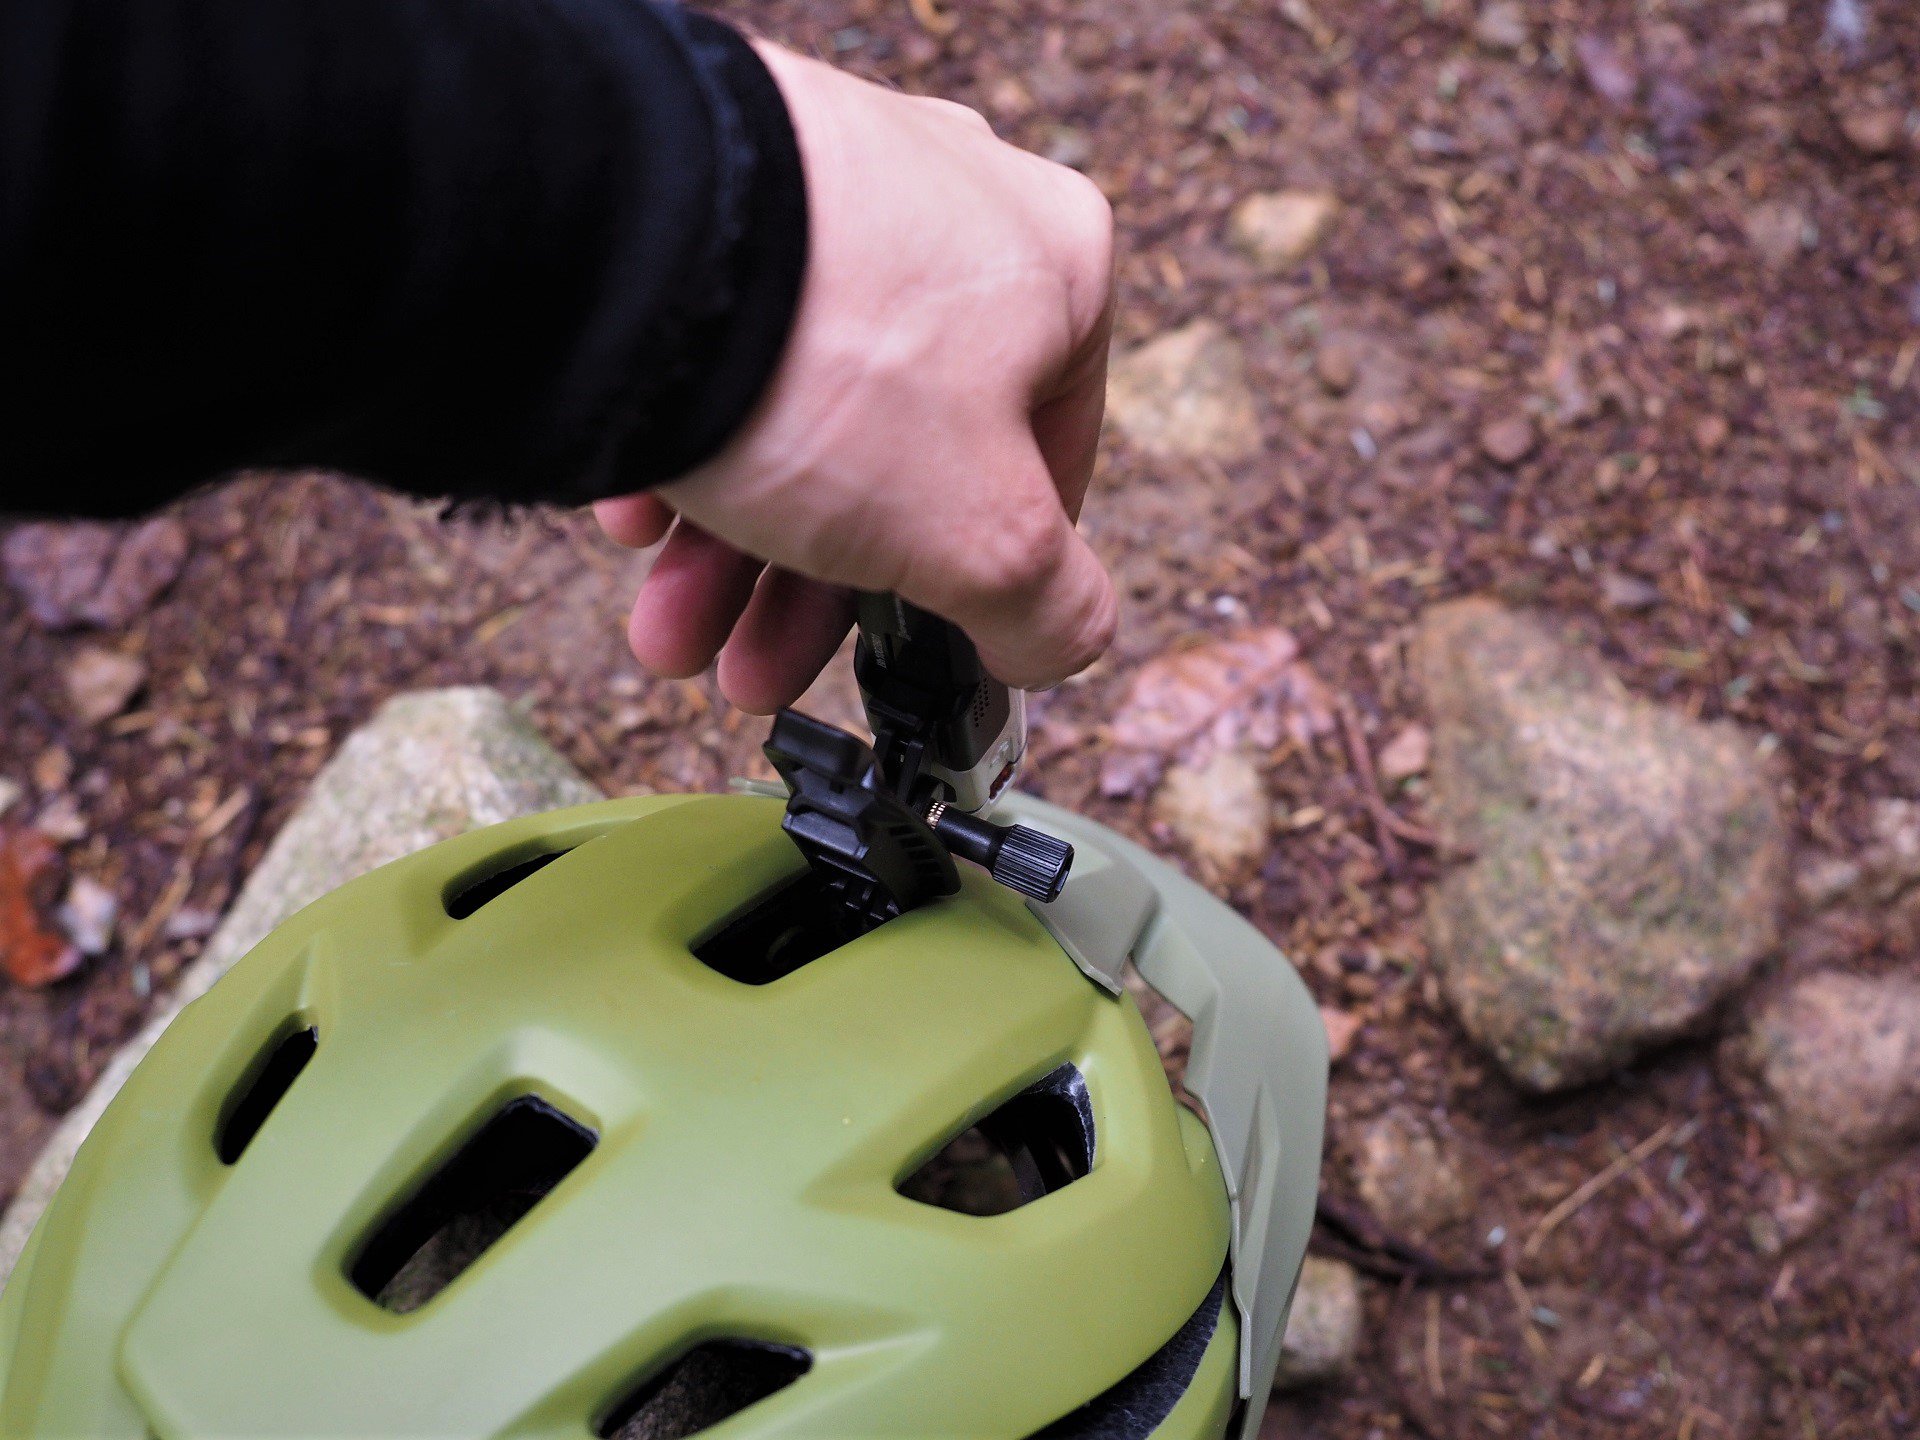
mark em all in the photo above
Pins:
pixel 931 428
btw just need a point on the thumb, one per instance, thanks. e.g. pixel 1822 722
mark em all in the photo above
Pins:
pixel 1026 587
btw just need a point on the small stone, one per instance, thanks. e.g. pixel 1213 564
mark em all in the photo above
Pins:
pixel 1508 441
pixel 60 820
pixel 1823 880
pixel 1838 1059
pixel 55 568
pixel 89 573
pixel 1405 1176
pixel 1220 810
pixel 190 922
pixel 88 915
pixel 1501 26
pixel 1630 863
pixel 101 683
pixel 52 769
pixel 1676 109
pixel 1323 1328
pixel 1008 98
pixel 1628 592
pixel 1710 433
pixel 1405 756
pixel 1777 230
pixel 1874 129
pixel 147 560
pixel 1186 395
pixel 1070 146
pixel 1892 859
pixel 1278 229
pixel 1606 68
pixel 10 793
pixel 1335 368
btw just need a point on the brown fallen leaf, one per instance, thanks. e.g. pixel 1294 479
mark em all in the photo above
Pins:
pixel 33 950
pixel 1341 1027
pixel 1405 756
pixel 1248 688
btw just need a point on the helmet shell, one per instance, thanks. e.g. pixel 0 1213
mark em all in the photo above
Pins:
pixel 747 1142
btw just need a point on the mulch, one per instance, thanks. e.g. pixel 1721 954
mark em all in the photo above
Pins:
pixel 1661 237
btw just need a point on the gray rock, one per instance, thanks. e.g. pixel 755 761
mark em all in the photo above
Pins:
pixel 1323 1328
pixel 428 766
pixel 1186 394
pixel 1407 1178
pixel 1838 1060
pixel 1630 863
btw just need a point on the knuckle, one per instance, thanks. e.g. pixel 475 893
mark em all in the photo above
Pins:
pixel 955 110
pixel 1016 557
pixel 1091 210
pixel 1088 229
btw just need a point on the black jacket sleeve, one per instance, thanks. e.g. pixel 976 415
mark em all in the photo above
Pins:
pixel 524 249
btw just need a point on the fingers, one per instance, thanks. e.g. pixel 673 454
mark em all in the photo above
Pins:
pixel 790 630
pixel 689 602
pixel 635 521
pixel 1024 585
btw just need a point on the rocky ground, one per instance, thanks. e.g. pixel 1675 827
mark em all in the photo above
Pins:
pixel 1608 881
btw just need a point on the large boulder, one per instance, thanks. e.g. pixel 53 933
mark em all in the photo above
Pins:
pixel 1838 1061
pixel 428 766
pixel 1628 863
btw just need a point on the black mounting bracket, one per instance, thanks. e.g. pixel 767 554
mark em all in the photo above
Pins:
pixel 880 824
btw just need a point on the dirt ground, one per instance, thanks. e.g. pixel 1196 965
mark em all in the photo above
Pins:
pixel 1704 293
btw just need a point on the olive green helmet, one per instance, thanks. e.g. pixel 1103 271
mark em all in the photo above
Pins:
pixel 574 1126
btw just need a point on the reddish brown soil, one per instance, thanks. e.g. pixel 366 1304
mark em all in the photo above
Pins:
pixel 1741 434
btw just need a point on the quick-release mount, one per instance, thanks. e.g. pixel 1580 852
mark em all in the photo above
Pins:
pixel 880 824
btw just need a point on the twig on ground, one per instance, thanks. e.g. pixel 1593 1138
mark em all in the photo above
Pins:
pixel 1349 1233
pixel 1594 1184
pixel 1362 759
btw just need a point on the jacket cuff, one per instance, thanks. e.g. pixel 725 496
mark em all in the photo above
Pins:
pixel 736 335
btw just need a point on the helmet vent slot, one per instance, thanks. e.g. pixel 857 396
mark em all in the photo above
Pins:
pixel 712 1382
pixel 266 1083
pixel 1038 1142
pixel 472 888
pixel 780 932
pixel 506 1168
